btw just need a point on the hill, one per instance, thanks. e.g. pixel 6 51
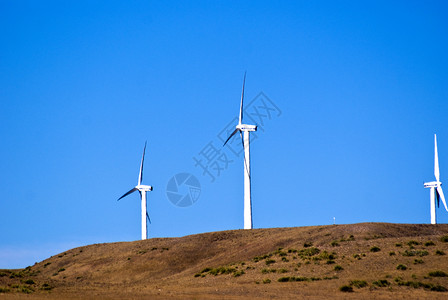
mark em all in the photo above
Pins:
pixel 367 260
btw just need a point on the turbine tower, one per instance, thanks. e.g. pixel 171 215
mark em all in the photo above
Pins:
pixel 435 186
pixel 142 189
pixel 244 130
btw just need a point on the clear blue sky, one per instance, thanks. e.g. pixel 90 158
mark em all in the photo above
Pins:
pixel 362 87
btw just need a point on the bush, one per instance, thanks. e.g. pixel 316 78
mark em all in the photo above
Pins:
pixel 46 287
pixel 392 253
pixel 238 273
pixel 418 261
pixel 4 290
pixel 338 268
pixel 284 259
pixel 29 281
pixel 429 243
pixel 438 274
pixel 398 245
pixel 267 280
pixel 346 289
pixel 307 244
pixel 358 283
pixel 308 252
pixel 440 252
pixel 284 279
pixel 415 253
pixel 282 271
pixel 269 261
pixel 375 249
pixel 26 289
pixel 334 243
pixel 444 238
pixel 381 283
pixel 412 243
pixel 401 267
pixel 61 270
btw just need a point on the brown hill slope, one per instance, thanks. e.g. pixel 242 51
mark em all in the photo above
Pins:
pixel 375 260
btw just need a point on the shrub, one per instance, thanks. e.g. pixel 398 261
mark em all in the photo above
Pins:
pixel 338 268
pixel 197 274
pixel 357 256
pixel 438 288
pixel 415 253
pixel 238 273
pixel 429 243
pixel 269 261
pixel 29 281
pixel 47 264
pixel 307 244
pixel 334 243
pixel 401 267
pixel 438 274
pixel 375 249
pixel 358 283
pixel 4 290
pixel 267 280
pixel 426 286
pixel 412 243
pixel 26 289
pixel 444 238
pixel 61 270
pixel 284 279
pixel 381 283
pixel 346 289
pixel 440 252
pixel 282 254
pixel 398 245
pixel 330 262
pixel 308 252
pixel 392 253
pixel 326 255
pixel 284 259
pixel 282 271
pixel 418 261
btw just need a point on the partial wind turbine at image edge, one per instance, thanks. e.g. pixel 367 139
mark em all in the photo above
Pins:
pixel 436 192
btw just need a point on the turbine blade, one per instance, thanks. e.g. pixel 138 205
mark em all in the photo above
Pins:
pixel 147 216
pixel 436 160
pixel 130 192
pixel 140 175
pixel 440 192
pixel 245 162
pixel 233 133
pixel 241 105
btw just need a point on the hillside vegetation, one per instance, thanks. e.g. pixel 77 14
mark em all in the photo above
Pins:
pixel 368 260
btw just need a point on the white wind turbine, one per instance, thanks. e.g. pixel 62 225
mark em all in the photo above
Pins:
pixel 435 186
pixel 245 141
pixel 142 190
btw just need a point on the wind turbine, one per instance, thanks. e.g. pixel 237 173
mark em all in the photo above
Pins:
pixel 244 129
pixel 142 189
pixel 435 186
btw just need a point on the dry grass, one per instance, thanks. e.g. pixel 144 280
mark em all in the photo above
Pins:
pixel 304 262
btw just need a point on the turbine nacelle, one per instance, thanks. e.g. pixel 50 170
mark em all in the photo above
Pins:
pixel 144 188
pixel 432 184
pixel 245 127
